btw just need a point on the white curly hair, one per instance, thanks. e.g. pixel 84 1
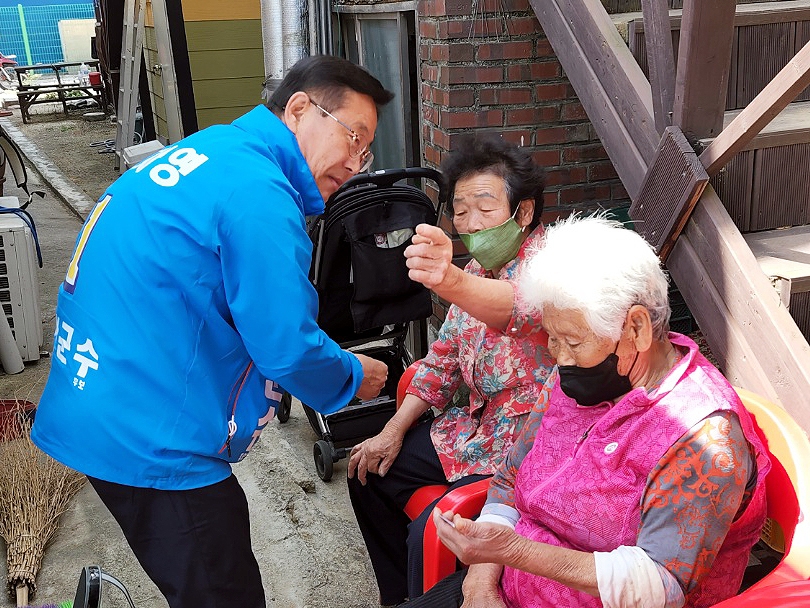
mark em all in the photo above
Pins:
pixel 598 267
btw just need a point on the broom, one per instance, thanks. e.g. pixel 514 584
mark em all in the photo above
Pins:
pixel 34 491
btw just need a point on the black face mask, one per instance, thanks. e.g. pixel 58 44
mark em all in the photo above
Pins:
pixel 590 386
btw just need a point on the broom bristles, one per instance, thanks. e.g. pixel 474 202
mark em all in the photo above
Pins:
pixel 34 492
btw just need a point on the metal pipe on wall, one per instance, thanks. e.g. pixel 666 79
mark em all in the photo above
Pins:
pixel 325 27
pixel 293 31
pixel 272 44
pixel 312 26
pixel 319 27
pixel 284 38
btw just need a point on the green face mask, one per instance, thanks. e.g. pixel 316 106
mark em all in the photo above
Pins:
pixel 494 246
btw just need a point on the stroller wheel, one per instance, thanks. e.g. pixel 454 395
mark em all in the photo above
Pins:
pixel 284 407
pixel 324 459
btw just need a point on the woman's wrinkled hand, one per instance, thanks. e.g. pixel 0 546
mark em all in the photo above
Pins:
pixel 483 599
pixel 430 256
pixel 475 543
pixel 490 600
pixel 481 591
pixel 375 455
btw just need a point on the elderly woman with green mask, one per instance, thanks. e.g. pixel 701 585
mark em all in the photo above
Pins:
pixel 488 342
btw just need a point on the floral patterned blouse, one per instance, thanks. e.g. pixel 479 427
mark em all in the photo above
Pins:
pixel 504 370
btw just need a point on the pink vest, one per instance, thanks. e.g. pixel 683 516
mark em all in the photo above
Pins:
pixel 581 484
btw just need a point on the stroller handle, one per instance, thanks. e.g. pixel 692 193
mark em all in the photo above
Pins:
pixel 385 178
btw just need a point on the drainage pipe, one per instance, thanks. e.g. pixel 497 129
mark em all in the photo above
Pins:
pixel 284 34
pixel 293 31
pixel 273 44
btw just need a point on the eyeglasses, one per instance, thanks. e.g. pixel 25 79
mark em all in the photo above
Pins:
pixel 356 147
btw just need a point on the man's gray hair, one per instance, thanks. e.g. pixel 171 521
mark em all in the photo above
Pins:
pixel 598 267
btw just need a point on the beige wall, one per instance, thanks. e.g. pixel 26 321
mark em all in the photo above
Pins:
pixel 227 64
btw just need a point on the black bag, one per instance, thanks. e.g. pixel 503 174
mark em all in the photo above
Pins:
pixel 358 268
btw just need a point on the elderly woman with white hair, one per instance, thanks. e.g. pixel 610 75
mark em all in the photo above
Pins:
pixel 642 481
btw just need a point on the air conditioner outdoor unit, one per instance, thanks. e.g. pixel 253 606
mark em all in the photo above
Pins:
pixel 19 286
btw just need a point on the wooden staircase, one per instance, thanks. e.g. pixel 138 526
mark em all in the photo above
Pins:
pixel 726 55
pixel 766 186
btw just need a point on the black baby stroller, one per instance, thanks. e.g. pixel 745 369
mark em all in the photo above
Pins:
pixel 366 300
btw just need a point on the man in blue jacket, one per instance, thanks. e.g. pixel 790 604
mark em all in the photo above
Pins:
pixel 186 307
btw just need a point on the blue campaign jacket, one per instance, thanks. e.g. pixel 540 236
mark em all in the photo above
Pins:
pixel 187 290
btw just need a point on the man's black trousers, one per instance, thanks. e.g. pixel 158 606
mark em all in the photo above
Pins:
pixel 194 544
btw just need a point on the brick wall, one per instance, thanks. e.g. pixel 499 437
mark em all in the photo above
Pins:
pixel 486 65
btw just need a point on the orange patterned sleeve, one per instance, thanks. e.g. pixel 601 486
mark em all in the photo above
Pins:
pixel 693 496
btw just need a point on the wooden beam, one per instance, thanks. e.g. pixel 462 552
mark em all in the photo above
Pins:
pixel 704 54
pixel 776 95
pixel 791 126
pixel 726 339
pixel 754 338
pixel 660 58
pixel 608 81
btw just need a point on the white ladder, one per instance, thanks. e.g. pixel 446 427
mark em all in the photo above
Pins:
pixel 131 53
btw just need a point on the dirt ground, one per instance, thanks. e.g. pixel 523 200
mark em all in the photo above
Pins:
pixel 72 144
pixel 304 534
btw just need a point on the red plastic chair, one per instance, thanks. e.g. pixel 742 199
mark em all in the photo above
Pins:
pixel 426 495
pixel 788 492
pixel 795 594
pixel 467 501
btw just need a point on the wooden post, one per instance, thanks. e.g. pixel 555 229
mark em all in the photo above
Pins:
pixel 704 55
pixel 660 58
pixel 753 336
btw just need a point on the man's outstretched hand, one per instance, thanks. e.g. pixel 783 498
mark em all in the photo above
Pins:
pixel 375 373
